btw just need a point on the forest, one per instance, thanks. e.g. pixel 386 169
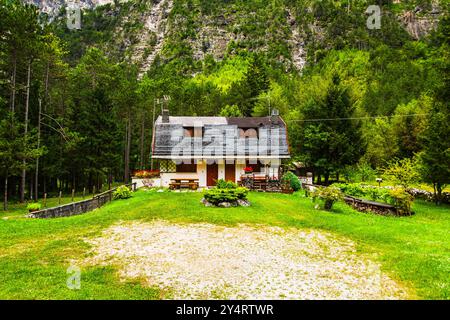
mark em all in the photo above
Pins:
pixel 76 109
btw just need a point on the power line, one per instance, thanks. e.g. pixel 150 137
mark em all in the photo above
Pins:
pixel 360 118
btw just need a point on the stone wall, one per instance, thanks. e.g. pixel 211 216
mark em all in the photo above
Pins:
pixel 76 208
pixel 371 206
pixel 67 210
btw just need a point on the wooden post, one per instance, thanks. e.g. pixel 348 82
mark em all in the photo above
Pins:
pixel 93 191
pixel 73 194
pixel 45 200
pixel 84 192
pixel 59 197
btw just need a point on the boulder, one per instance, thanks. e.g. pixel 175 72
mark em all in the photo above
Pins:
pixel 243 203
pixel 224 205
pixel 206 203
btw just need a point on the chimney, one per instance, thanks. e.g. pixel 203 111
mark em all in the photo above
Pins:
pixel 165 116
pixel 274 117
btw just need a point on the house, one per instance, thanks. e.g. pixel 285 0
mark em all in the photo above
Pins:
pixel 212 148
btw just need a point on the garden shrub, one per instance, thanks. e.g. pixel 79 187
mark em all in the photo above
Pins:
pixel 34 206
pixel 404 172
pixel 216 195
pixel 402 200
pixel 222 184
pixel 328 195
pixel 292 180
pixel 122 192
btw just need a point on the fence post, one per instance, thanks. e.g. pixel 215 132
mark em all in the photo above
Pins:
pixel 73 194
pixel 59 197
pixel 84 192
pixel 45 200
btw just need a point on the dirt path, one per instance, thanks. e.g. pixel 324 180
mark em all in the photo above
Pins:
pixel 205 261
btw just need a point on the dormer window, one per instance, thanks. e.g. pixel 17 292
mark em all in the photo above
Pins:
pixel 248 133
pixel 188 132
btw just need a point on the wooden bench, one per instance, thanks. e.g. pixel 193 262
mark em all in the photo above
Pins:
pixel 176 184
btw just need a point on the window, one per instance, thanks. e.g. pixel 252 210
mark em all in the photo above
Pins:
pixel 187 168
pixel 189 132
pixel 167 166
pixel 249 133
pixel 256 166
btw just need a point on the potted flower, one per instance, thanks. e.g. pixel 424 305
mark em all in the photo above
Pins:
pixel 33 207
pixel 248 170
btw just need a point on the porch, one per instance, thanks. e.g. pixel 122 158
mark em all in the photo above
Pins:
pixel 206 172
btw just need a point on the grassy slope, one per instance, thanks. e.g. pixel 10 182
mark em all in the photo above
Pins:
pixel 34 254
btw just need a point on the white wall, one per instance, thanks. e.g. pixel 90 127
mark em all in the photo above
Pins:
pixel 221 170
pixel 239 171
pixel 201 170
pixel 200 175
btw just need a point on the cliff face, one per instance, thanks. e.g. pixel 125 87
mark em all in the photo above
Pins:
pixel 52 7
pixel 144 30
pixel 419 22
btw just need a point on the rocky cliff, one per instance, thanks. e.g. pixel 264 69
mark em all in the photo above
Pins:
pixel 144 30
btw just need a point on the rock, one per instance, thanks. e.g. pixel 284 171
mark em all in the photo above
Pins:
pixel 224 205
pixel 160 190
pixel 243 203
pixel 206 203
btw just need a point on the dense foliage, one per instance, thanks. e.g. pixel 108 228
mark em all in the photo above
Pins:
pixel 82 117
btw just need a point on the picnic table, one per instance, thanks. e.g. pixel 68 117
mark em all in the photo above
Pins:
pixel 180 183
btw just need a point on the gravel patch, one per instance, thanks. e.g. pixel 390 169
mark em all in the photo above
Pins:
pixel 205 261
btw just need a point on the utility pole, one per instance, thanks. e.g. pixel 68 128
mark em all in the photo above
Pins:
pixel 155 101
pixel 160 101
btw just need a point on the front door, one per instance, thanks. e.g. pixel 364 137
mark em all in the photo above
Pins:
pixel 230 172
pixel 212 174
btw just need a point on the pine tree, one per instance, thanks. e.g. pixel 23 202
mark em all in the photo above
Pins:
pixel 435 156
pixel 333 140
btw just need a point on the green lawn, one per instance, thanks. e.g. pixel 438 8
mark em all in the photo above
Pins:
pixel 35 253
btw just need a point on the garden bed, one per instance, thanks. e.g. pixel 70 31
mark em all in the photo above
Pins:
pixel 371 206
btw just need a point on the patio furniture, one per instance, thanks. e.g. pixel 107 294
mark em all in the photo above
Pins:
pixel 187 183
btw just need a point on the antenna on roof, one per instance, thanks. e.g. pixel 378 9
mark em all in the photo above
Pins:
pixel 274 116
pixel 165 99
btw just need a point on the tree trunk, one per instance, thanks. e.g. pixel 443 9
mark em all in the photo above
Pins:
pixel 36 176
pixel 127 151
pixel 142 164
pixel 47 72
pixel 439 193
pixel 5 196
pixel 27 106
pixel 13 80
pixel 153 131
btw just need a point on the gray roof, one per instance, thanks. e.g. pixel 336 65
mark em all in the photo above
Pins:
pixel 220 134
